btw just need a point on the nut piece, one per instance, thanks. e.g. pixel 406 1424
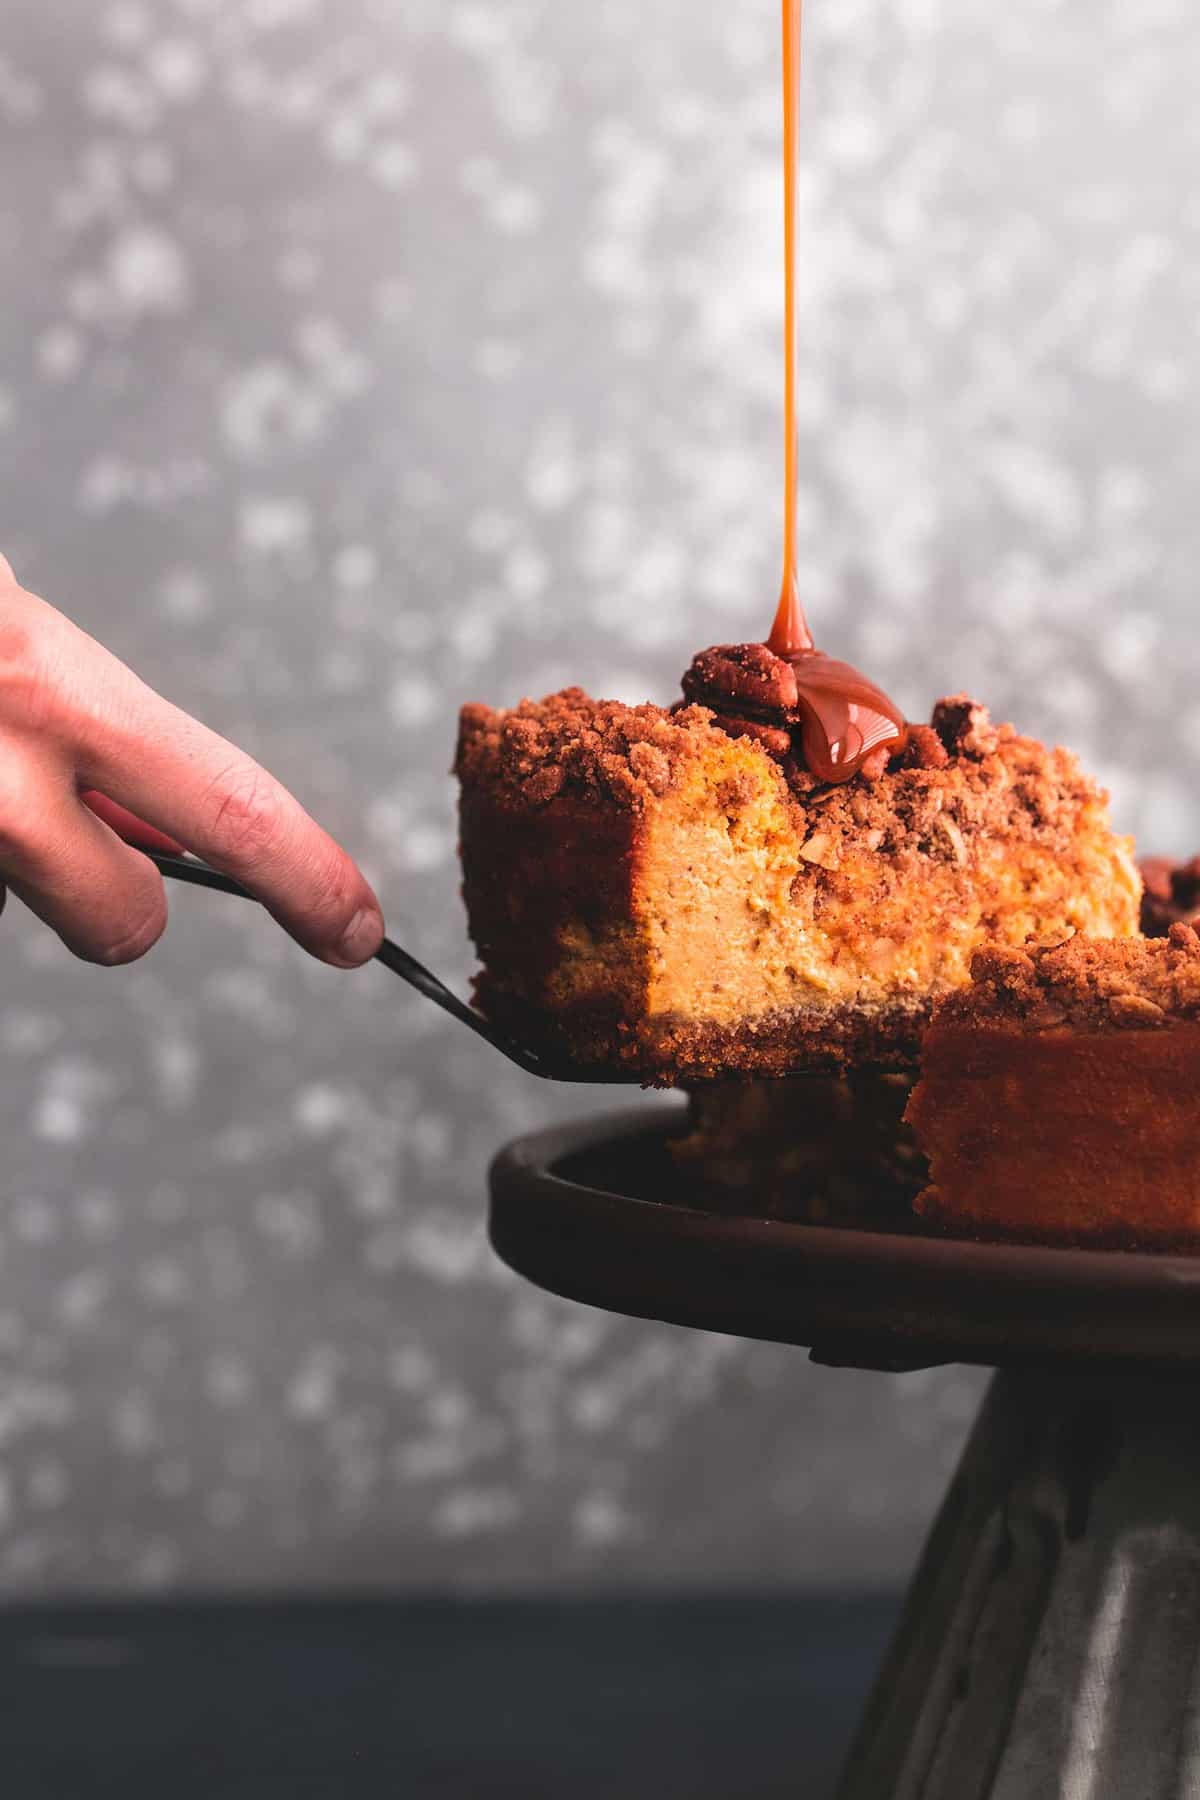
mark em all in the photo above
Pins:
pixel 953 836
pixel 730 675
pixel 1133 1011
pixel 1170 894
pixel 821 848
pixel 776 740
pixel 965 727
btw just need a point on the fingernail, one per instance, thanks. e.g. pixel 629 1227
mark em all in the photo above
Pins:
pixel 362 938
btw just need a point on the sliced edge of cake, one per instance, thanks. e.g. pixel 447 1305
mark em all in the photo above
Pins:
pixel 1058 1099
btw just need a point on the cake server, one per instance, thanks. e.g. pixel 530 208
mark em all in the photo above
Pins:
pixel 190 869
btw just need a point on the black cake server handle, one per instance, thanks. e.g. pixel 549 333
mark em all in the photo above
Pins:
pixel 200 874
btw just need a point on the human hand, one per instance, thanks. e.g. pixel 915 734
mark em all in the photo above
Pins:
pixel 74 721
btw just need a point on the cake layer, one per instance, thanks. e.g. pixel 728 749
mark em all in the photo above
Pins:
pixel 1058 1101
pixel 651 890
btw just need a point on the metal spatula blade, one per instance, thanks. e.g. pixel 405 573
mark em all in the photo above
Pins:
pixel 190 869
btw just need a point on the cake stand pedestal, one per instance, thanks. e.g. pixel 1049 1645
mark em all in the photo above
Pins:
pixel 1050 1645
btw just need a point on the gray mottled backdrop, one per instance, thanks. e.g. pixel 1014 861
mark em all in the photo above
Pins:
pixel 361 356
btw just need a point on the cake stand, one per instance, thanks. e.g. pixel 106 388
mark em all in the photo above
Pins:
pixel 1050 1644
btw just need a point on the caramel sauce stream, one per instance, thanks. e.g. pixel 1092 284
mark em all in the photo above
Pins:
pixel 790 635
pixel 845 717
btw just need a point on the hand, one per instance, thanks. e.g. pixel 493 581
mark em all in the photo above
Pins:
pixel 72 720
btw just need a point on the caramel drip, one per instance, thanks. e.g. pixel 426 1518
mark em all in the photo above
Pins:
pixel 790 634
pixel 844 717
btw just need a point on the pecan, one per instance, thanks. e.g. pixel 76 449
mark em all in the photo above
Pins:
pixel 1170 894
pixel 745 674
pixel 776 740
pixel 1158 876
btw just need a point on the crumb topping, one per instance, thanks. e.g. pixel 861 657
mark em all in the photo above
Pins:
pixel 960 777
pixel 569 743
pixel 1089 984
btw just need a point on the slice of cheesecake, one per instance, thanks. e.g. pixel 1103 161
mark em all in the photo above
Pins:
pixel 673 894
pixel 1058 1098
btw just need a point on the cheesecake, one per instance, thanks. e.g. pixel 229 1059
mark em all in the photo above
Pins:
pixel 676 895
pixel 1058 1101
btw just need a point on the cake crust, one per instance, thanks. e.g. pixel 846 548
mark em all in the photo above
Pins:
pixel 824 1149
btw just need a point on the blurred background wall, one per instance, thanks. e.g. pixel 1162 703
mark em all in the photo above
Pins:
pixel 361 356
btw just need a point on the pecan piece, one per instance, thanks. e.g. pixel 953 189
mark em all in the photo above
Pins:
pixel 776 740
pixel 965 726
pixel 733 675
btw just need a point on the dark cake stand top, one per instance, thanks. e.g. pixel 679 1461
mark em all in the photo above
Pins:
pixel 598 1212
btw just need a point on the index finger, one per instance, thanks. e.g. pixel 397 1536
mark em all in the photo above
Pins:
pixel 188 781
pixel 135 831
